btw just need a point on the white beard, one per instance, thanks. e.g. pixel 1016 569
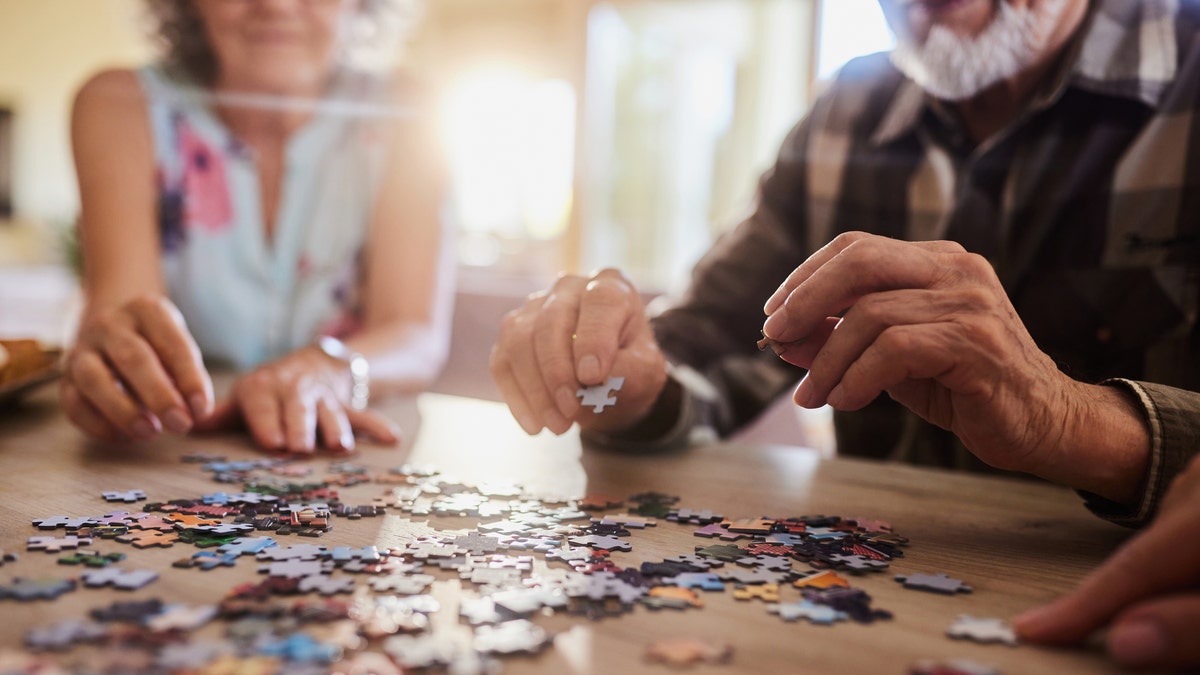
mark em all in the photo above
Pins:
pixel 956 67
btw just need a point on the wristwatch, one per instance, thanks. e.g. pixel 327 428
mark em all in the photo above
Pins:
pixel 360 371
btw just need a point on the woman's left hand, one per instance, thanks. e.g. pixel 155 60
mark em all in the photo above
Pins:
pixel 288 402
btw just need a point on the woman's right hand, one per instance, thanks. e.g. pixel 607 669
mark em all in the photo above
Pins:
pixel 134 371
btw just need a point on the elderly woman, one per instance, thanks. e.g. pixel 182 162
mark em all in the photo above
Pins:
pixel 252 200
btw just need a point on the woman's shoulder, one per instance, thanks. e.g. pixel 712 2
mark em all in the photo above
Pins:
pixel 112 84
pixel 113 96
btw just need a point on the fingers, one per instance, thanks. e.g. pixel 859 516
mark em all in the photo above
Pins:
pixel 569 336
pixel 608 305
pixel 300 419
pixel 95 382
pixel 550 368
pixel 336 432
pixel 850 267
pixel 136 363
pixel 1162 558
pixel 140 369
pixel 260 406
pixel 85 416
pixel 1160 633
pixel 164 328
pixel 514 366
pixel 374 426
pixel 869 318
pixel 806 269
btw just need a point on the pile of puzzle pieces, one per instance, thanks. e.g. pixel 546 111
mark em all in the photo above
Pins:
pixel 370 607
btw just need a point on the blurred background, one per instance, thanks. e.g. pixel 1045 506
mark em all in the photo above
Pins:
pixel 581 134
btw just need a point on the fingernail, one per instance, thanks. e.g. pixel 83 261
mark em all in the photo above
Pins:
pixel 143 429
pixel 804 394
pixel 589 369
pixel 347 442
pixel 773 327
pixel 199 406
pixel 773 303
pixel 1137 643
pixel 177 420
pixel 566 400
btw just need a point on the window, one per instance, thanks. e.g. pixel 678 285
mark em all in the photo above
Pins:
pixel 622 133
pixel 686 104
pixel 847 29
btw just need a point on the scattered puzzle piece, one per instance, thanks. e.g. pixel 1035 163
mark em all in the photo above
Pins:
pixel 128 580
pixel 951 667
pixel 982 630
pixel 685 652
pixel 127 496
pixel 36 589
pixel 935 583
pixel 765 592
pixel 56 545
pixel 806 609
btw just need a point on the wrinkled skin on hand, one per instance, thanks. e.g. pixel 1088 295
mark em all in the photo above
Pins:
pixel 576 334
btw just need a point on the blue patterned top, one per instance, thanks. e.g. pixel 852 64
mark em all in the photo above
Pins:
pixel 246 298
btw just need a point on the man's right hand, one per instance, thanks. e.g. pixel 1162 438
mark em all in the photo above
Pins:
pixel 134 371
pixel 576 334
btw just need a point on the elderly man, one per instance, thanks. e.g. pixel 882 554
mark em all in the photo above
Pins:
pixel 992 224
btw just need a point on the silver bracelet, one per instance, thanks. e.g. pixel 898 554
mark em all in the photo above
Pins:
pixel 360 370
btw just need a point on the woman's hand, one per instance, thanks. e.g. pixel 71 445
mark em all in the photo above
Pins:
pixel 288 402
pixel 135 371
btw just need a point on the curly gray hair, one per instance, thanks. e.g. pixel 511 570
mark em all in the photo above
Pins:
pixel 371 40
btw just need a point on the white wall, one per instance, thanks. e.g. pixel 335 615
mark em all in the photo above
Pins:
pixel 47 49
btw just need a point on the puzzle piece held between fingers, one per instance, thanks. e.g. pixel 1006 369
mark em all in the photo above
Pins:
pixel 597 395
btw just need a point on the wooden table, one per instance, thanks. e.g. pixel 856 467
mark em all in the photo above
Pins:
pixel 1018 543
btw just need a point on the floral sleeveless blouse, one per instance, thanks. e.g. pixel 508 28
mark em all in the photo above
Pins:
pixel 246 298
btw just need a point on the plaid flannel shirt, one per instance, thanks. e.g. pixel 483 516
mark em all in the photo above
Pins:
pixel 1087 206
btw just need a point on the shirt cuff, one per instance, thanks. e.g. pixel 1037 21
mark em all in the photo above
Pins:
pixel 675 418
pixel 1155 482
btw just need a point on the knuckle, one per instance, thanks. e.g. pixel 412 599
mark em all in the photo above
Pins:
pixel 259 379
pixel 146 303
pixel 870 309
pixel 515 330
pixel 124 352
pixel 948 246
pixel 847 239
pixel 87 370
pixel 896 340
pixel 976 266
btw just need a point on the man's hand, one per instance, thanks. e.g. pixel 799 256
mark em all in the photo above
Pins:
pixel 1148 592
pixel 578 333
pixel 288 402
pixel 931 325
pixel 134 371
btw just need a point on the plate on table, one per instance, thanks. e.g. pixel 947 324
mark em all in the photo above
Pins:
pixel 24 366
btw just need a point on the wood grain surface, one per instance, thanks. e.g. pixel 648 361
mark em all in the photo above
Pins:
pixel 1017 542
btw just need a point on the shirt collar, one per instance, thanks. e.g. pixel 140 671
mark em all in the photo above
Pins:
pixel 1127 49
